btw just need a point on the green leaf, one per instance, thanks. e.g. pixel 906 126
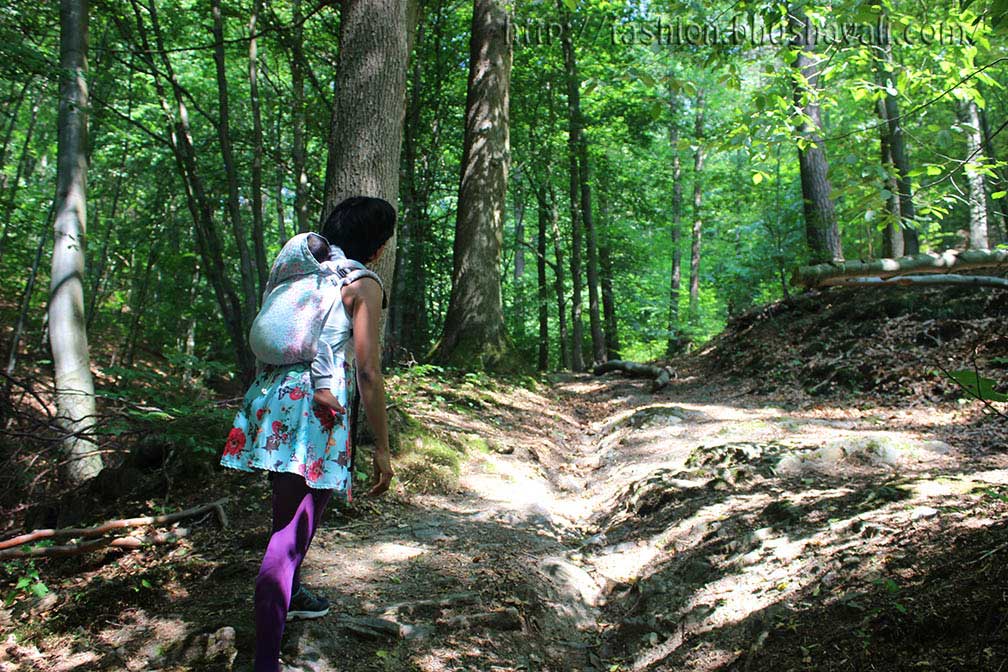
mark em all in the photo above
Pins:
pixel 978 386
pixel 998 194
pixel 39 589
pixel 757 178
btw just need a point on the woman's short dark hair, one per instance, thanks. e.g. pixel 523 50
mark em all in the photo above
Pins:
pixel 359 226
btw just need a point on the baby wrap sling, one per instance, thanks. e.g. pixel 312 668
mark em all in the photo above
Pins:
pixel 298 297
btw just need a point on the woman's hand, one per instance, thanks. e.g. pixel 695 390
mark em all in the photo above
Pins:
pixel 382 472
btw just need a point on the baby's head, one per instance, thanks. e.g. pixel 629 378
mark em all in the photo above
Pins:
pixel 318 247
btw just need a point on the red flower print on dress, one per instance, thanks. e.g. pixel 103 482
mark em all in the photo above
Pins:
pixel 314 470
pixel 235 442
pixel 277 427
pixel 296 393
pixel 260 413
pixel 326 416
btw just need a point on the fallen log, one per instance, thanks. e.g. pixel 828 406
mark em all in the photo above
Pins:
pixel 958 260
pixel 109 526
pixel 131 542
pixel 906 280
pixel 660 376
pixel 500 619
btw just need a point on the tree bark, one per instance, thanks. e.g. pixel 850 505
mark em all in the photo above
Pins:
pixel 675 277
pixel 812 276
pixel 543 289
pixel 970 121
pixel 248 272
pixel 892 236
pixel 298 116
pixel 22 165
pixel 474 331
pixel 67 333
pixel 27 296
pixel 1000 183
pixel 609 303
pixel 566 360
pixel 698 164
pixel 821 229
pixel 573 142
pixel 907 280
pixel 367 121
pixel 258 232
pixel 900 158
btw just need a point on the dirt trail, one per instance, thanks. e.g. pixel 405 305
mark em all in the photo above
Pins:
pixel 595 527
pixel 631 532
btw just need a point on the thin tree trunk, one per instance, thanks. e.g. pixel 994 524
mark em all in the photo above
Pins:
pixel 9 132
pixel 999 182
pixel 474 331
pixel 675 277
pixel 137 310
pixel 821 230
pixel 970 121
pixel 595 320
pixel 248 272
pixel 558 281
pixel 28 291
pixel 543 289
pixel 698 164
pixel 892 236
pixel 573 140
pixel 68 337
pixel 900 158
pixel 609 303
pixel 22 165
pixel 258 233
pixel 298 118
pixel 280 205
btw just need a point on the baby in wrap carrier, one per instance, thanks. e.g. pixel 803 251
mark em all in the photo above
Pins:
pixel 304 285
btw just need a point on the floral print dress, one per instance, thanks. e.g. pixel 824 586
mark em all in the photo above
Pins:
pixel 279 428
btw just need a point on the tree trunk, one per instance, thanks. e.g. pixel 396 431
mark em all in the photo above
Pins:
pixel 138 307
pixel 698 163
pixel 474 325
pixel 258 233
pixel 900 159
pixel 281 206
pixel 573 142
pixel 598 337
pixel 99 268
pixel 11 123
pixel 543 289
pixel 367 121
pixel 248 273
pixel 821 229
pixel 298 114
pixel 999 182
pixel 68 337
pixel 549 197
pixel 892 236
pixel 28 291
pixel 812 276
pixel 22 165
pixel 675 277
pixel 970 121
pixel 609 303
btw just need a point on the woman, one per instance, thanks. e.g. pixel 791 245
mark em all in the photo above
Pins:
pixel 305 446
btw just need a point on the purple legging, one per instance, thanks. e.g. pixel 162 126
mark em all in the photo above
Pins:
pixel 297 511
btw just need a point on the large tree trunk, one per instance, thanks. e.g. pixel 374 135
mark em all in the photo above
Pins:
pixel 474 326
pixel 821 229
pixel 573 140
pixel 675 277
pixel 970 121
pixel 698 163
pixel 367 121
pixel 258 232
pixel 68 337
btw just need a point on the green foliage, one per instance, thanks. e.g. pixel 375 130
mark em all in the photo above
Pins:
pixel 978 386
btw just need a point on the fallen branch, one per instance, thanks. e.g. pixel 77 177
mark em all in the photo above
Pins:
pixel 905 280
pixel 130 542
pixel 500 619
pixel 99 530
pixel 815 276
pixel 660 376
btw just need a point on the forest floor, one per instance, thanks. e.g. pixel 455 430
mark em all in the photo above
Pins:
pixel 747 517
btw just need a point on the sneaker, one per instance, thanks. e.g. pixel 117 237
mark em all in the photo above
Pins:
pixel 305 604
